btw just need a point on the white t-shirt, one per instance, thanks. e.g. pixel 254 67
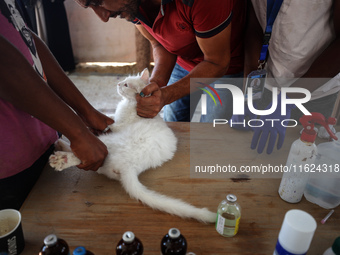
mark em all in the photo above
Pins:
pixel 301 31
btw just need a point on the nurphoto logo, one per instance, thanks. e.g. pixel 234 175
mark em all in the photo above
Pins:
pixel 239 103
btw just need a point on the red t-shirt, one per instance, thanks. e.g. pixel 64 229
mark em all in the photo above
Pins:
pixel 180 21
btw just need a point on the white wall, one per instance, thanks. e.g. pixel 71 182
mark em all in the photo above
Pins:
pixel 96 41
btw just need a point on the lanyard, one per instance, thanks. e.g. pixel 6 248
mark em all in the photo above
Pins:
pixel 273 7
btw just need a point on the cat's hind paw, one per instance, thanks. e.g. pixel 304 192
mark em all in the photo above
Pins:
pixel 61 160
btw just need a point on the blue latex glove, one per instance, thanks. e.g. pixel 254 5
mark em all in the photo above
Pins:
pixel 240 118
pixel 271 129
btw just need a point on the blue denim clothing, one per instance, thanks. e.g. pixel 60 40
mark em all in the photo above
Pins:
pixel 183 109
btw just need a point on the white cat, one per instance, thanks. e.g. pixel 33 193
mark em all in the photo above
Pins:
pixel 135 145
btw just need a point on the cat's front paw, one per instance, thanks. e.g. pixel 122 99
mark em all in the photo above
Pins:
pixel 61 160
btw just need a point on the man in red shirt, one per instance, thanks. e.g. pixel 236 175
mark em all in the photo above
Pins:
pixel 190 39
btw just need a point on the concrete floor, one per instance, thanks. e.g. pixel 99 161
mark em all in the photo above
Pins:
pixel 99 89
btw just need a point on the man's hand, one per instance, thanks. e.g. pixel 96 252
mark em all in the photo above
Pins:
pixel 240 122
pixel 90 150
pixel 150 101
pixel 271 130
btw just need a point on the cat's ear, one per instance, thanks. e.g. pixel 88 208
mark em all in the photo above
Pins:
pixel 145 76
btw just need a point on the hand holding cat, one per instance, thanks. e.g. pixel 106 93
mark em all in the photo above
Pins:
pixel 90 150
pixel 150 106
pixel 96 121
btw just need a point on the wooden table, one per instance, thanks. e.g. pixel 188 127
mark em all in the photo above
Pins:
pixel 88 209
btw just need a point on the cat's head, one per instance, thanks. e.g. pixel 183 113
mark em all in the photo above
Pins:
pixel 133 85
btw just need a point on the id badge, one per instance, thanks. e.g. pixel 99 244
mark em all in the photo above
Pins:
pixel 256 80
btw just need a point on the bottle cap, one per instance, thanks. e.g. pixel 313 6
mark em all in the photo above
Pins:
pixel 128 237
pixel 174 233
pixel 308 121
pixel 308 134
pixel 50 240
pixel 231 198
pixel 80 250
pixel 336 245
pixel 297 231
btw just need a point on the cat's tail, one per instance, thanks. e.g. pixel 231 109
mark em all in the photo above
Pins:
pixel 164 203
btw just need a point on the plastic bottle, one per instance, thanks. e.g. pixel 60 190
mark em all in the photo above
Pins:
pixel 54 246
pixel 296 233
pixel 228 216
pixel 301 159
pixel 173 243
pixel 129 245
pixel 323 133
pixel 81 250
pixel 323 185
pixel 335 249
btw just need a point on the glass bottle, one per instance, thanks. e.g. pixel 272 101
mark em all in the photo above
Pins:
pixel 334 249
pixel 228 216
pixel 81 250
pixel 54 246
pixel 173 243
pixel 129 245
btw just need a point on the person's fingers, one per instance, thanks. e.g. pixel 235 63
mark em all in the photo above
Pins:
pixel 281 139
pixel 272 141
pixel 149 89
pixel 149 107
pixel 255 139
pixel 263 141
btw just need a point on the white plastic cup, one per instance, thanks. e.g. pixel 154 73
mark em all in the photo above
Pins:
pixel 11 234
pixel 296 233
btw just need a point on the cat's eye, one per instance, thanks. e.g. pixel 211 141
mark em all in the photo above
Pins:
pixel 125 84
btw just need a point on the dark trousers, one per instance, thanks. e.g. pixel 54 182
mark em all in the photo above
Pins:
pixel 58 34
pixel 15 189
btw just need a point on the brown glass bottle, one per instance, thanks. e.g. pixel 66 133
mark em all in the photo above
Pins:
pixel 54 246
pixel 173 243
pixel 129 245
pixel 81 250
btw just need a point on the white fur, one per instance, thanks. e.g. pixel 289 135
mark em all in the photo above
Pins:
pixel 135 145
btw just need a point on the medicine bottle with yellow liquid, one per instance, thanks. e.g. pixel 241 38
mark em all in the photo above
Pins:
pixel 228 216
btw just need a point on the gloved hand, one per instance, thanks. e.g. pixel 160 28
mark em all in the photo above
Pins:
pixel 271 129
pixel 242 119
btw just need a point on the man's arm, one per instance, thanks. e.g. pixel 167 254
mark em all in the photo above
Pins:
pixel 216 61
pixel 164 60
pixel 25 89
pixel 164 64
